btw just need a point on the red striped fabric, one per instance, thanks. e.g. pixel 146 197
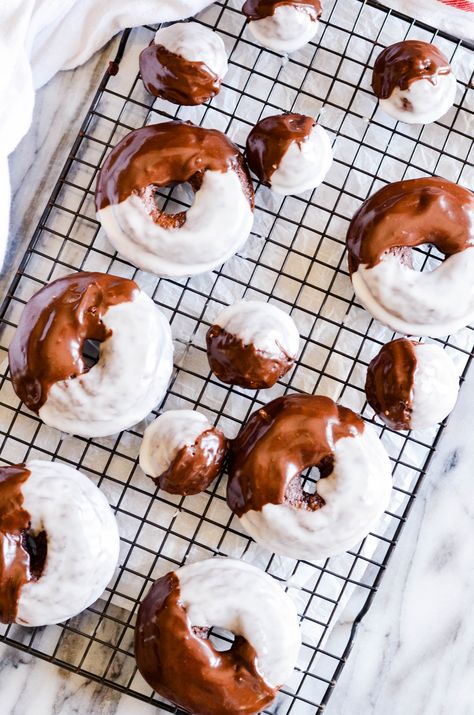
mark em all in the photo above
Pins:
pixel 466 5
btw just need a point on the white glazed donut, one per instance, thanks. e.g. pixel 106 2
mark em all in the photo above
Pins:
pixel 412 385
pixel 214 228
pixel 185 65
pixel 400 216
pixel 182 451
pixel 63 543
pixel 276 445
pixel 414 82
pixel 252 344
pixel 283 25
pixel 51 375
pixel 290 153
pixel 172 628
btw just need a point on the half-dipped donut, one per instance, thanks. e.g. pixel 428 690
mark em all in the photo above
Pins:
pixel 267 458
pixel 283 25
pixel 47 364
pixel 59 543
pixel 214 228
pixel 396 218
pixel 176 657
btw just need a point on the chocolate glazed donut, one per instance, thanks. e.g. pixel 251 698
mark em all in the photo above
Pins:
pixel 258 9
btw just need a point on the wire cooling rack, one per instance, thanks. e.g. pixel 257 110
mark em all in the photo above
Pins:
pixel 294 258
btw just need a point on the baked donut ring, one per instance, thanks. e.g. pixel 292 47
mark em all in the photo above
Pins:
pixel 50 373
pixel 387 225
pixel 189 242
pixel 172 629
pixel 268 456
pixel 59 543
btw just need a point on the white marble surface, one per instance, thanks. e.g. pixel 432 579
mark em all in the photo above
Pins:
pixel 415 650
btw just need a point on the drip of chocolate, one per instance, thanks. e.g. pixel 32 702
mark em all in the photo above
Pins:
pixel 238 364
pixel 271 138
pixel 410 213
pixel 403 63
pixel 180 662
pixel 389 384
pixel 49 341
pixel 166 154
pixel 195 466
pixel 258 9
pixel 170 76
pixel 278 443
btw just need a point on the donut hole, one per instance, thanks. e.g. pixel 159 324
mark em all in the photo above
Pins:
pixel 419 258
pixel 167 205
pixel 91 352
pixel 221 639
pixel 301 491
pixel 35 543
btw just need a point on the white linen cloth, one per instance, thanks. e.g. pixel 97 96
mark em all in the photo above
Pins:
pixel 453 16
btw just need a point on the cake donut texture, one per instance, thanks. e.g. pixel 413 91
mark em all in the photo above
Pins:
pixel 252 344
pixel 59 543
pixel 50 373
pixel 414 82
pixel 384 229
pixel 412 385
pixel 270 453
pixel 172 632
pixel 182 451
pixel 185 243
pixel 290 153
pixel 185 64
pixel 283 25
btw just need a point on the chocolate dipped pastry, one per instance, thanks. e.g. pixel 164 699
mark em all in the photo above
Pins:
pixel 290 153
pixel 271 454
pixel 283 25
pixel 411 385
pixel 252 344
pixel 414 82
pixel 185 64
pixel 182 452
pixel 397 218
pixel 172 633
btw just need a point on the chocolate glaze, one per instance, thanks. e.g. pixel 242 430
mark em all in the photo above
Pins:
pixel 258 9
pixel 280 441
pixel 166 154
pixel 195 466
pixel 49 341
pixel 238 364
pixel 389 384
pixel 271 138
pixel 180 663
pixel 170 76
pixel 405 62
pixel 410 213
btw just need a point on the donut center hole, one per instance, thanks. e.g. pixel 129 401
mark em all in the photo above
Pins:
pixel 301 491
pixel 35 543
pixel 419 258
pixel 167 205
pixel 91 352
pixel 221 639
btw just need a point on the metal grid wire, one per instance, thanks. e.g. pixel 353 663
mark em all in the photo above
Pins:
pixel 294 258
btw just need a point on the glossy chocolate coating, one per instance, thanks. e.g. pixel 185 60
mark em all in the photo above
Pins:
pixel 271 138
pixel 410 213
pixel 238 364
pixel 172 77
pixel 49 341
pixel 166 154
pixel 180 663
pixel 278 443
pixel 389 384
pixel 405 62
pixel 195 466
pixel 258 9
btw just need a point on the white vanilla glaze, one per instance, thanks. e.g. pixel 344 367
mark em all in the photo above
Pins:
pixel 241 598
pixel 82 543
pixel 356 494
pixel 263 325
pixel 128 381
pixel 195 43
pixel 167 435
pixel 217 225
pixel 434 303
pixel 304 165
pixel 429 101
pixel 287 30
pixel 435 386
